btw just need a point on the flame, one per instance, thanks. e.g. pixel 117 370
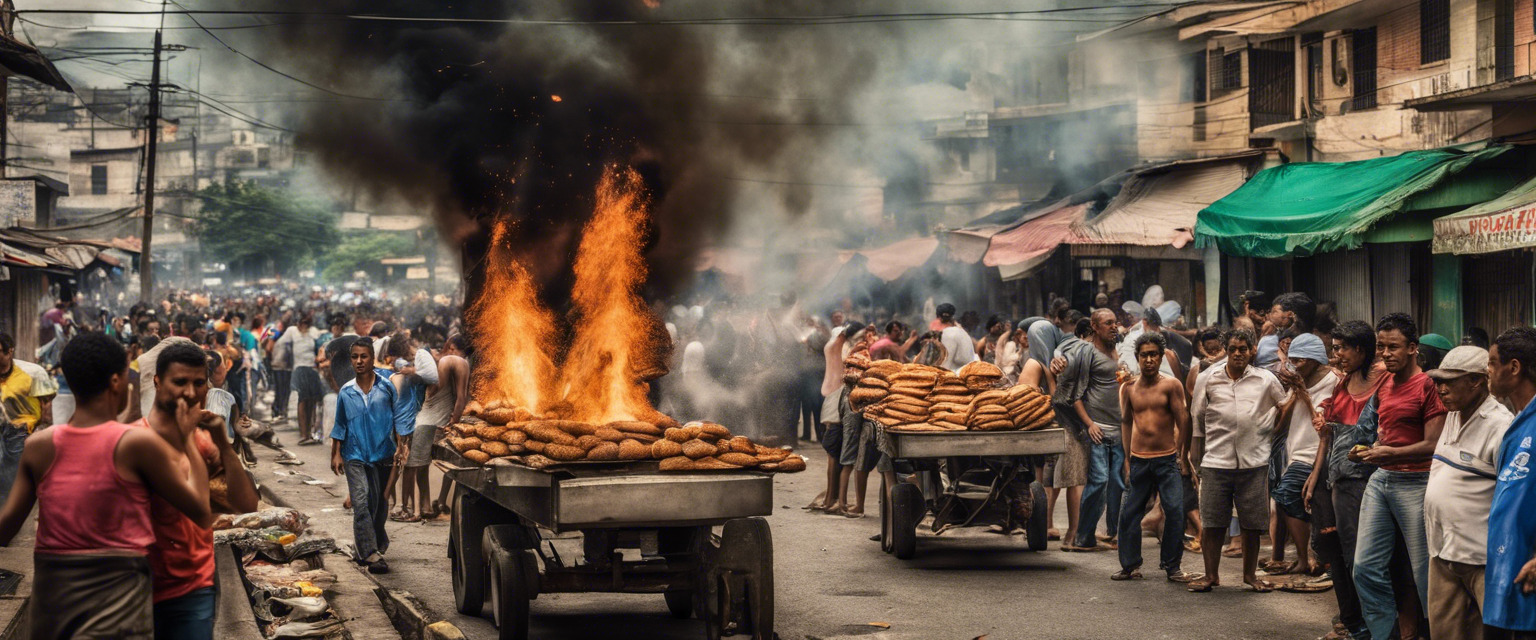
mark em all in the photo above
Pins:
pixel 599 378
pixel 513 332
pixel 614 348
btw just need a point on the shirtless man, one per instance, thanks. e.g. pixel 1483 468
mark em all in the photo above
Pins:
pixel 1154 426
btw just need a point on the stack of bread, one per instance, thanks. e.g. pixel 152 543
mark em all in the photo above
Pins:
pixel 854 366
pixel 906 402
pixel 542 443
pixel 1029 408
pixel 951 402
pixel 874 385
pixel 980 376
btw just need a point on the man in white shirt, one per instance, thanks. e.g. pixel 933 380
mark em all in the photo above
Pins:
pixel 1462 476
pixel 1234 410
pixel 1310 358
pixel 957 343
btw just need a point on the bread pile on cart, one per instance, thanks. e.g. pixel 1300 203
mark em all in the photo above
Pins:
pixel 917 397
pixel 496 432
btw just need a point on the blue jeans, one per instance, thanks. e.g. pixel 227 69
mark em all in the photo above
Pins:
pixel 1148 476
pixel 365 484
pixel 189 617
pixel 1105 489
pixel 1393 503
pixel 12 440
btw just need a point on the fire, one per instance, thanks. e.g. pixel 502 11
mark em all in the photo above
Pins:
pixel 614 345
pixel 513 332
pixel 600 380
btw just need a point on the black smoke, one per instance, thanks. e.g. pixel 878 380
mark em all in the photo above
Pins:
pixel 478 121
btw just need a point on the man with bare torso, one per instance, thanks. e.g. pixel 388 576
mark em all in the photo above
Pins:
pixel 1154 427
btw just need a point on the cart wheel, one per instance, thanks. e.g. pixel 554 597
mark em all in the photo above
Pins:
pixel 468 563
pixel 1035 529
pixel 739 591
pixel 906 512
pixel 509 590
pixel 680 603
pixel 886 543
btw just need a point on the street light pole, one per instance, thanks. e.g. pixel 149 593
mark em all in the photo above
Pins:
pixel 146 269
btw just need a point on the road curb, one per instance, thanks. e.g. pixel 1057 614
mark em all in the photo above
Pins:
pixel 411 617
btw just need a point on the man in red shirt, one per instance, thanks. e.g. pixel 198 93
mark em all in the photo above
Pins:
pixel 182 556
pixel 1409 418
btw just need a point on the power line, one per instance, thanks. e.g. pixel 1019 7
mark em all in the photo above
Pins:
pixel 268 67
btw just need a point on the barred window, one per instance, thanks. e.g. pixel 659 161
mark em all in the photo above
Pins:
pixel 1232 71
pixel 1434 30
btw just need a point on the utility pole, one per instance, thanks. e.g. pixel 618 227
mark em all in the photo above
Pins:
pixel 146 269
pixel 7 19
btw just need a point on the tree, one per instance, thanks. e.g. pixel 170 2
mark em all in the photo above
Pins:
pixel 359 250
pixel 244 224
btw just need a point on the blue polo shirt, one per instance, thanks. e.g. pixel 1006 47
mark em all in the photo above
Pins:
pixel 366 424
pixel 1512 530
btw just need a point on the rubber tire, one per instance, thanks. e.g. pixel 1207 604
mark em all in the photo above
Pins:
pixel 509 594
pixel 1036 530
pixel 906 512
pixel 886 544
pixel 467 561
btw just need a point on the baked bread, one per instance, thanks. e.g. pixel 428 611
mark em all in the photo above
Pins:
pixel 635 426
pixel 604 451
pixel 662 449
pixel 633 450
pixel 477 456
pixel 699 449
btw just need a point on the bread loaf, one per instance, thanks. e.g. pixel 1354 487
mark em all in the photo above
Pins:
pixel 604 451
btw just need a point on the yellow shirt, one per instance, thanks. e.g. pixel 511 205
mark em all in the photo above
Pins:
pixel 21 407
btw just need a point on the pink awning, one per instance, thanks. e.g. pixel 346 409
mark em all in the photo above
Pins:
pixel 891 261
pixel 1036 237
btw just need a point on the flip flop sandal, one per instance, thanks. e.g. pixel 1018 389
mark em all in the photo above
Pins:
pixel 1052 535
pixel 1200 586
pixel 401 516
pixel 1133 574
pixel 1185 577
pixel 1261 586
pixel 853 515
pixel 1231 553
pixel 1306 587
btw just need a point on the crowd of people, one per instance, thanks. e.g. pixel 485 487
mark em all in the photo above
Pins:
pixel 1389 466
pixel 151 413
pixel 1393 464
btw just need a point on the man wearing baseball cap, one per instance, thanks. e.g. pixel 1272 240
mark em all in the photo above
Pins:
pixel 1462 476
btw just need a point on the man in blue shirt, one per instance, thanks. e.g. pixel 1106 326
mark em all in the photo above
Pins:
pixel 1509 587
pixel 372 431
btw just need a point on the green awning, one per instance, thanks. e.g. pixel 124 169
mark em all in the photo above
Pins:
pixel 1315 207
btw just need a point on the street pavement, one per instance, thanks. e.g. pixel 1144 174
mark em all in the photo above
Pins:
pixel 833 582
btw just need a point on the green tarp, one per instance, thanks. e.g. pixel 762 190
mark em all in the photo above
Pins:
pixel 1314 207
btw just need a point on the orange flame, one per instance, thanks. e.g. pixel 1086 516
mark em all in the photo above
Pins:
pixel 599 381
pixel 615 347
pixel 513 332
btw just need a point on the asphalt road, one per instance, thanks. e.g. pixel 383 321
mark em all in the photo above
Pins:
pixel 833 582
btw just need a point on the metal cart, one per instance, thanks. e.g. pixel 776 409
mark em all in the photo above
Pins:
pixel 665 520
pixel 964 478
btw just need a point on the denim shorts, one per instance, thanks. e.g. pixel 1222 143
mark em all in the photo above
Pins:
pixel 1288 492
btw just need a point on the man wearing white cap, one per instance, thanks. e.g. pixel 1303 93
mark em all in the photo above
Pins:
pixel 1462 476
pixel 1310 358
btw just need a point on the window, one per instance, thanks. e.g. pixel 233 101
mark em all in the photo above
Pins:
pixel 1196 90
pixel 1232 71
pixel 1434 30
pixel 1272 82
pixel 1362 54
pixel 1199 124
pixel 1503 40
pixel 98 179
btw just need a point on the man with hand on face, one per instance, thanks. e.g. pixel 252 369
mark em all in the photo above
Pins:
pixel 1509 582
pixel 1155 432
pixel 372 431
pixel 1462 476
pixel 182 556
pixel 1098 367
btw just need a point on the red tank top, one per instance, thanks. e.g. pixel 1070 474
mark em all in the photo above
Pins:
pixel 83 505
pixel 181 559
